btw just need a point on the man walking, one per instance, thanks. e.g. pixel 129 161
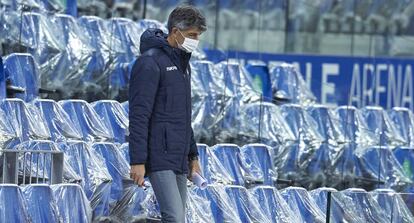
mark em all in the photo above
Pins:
pixel 161 140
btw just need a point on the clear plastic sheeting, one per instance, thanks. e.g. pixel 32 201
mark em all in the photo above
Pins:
pixel 379 166
pixel 326 124
pixel 258 160
pixel 39 165
pixel 72 203
pixel 263 122
pixel 198 209
pixel 24 120
pixel 129 32
pixel 124 148
pixel 288 84
pixel 117 167
pixel 394 205
pixel 13 205
pixel 150 23
pixel 301 124
pixel 125 106
pixel 131 207
pixel 211 167
pixel 223 209
pixel 405 156
pixel 229 156
pixel 341 209
pixel 57 120
pixel 273 205
pixel 20 4
pixel 381 125
pixel 86 120
pixel 41 203
pixel 403 121
pixel 302 204
pixel 367 208
pixel 7 132
pixel 247 206
pixel 353 126
pixel 114 118
pixel 96 180
pixel 22 71
pixel 65 72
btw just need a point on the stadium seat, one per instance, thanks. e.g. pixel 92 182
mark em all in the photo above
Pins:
pixel 90 166
pixel 405 157
pixel 353 126
pixel 258 160
pixel 367 207
pixel 393 205
pixel 340 210
pixel 273 205
pixel 247 207
pixel 381 125
pixel 57 120
pixel 302 204
pixel 21 71
pixel 403 121
pixel 13 204
pixel 113 117
pixel 117 166
pixel 288 85
pixel 211 167
pixel 41 204
pixel 131 206
pixel 261 78
pixel 223 209
pixel 288 163
pixel 87 120
pixel 40 166
pixel 72 203
pixel 129 33
pixel 229 156
pixel 326 124
pixel 124 148
pixel 198 209
pixel 23 120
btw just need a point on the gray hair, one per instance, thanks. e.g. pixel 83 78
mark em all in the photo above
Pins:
pixel 186 17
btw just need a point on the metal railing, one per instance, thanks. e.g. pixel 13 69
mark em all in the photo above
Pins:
pixel 29 166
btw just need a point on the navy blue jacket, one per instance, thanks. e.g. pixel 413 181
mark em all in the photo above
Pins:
pixel 161 136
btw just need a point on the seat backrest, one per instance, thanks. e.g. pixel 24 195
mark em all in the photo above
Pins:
pixel 261 79
pixel 327 126
pixel 403 120
pixel 41 195
pixel 13 204
pixel 258 160
pixel 229 157
pixel 22 71
pixel 393 204
pixel 113 117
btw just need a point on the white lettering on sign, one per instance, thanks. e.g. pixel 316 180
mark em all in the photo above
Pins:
pixel 378 87
pixel 355 90
pixel 328 88
pixel 367 89
pixel 394 86
pixel 407 90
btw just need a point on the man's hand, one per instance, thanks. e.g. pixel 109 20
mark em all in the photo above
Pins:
pixel 138 173
pixel 194 167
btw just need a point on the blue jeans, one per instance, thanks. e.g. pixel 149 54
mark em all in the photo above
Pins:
pixel 171 192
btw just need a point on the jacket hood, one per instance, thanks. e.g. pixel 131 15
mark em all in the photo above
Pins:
pixel 153 38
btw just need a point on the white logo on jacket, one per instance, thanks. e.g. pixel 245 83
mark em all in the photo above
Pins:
pixel 172 68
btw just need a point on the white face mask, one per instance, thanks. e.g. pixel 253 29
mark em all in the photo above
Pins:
pixel 189 45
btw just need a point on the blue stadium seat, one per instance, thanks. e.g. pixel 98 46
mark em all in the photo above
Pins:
pixel 247 207
pixel 223 209
pixel 326 124
pixel 41 203
pixel 84 117
pixel 131 207
pixel 57 120
pixel 90 166
pixel 288 84
pixel 263 122
pixel 114 118
pixel 288 161
pixel 367 207
pixel 198 209
pixel 403 120
pixel 24 120
pixel 124 148
pixel 301 123
pixel 319 165
pixel 129 33
pixel 273 205
pixel 14 208
pixel 381 125
pixel 261 78
pixel 258 160
pixel 72 203
pixel 38 164
pixel 117 166
pixel 21 71
pixel 340 210
pixel 343 173
pixel 211 167
pixel 353 126
pixel 125 105
pixel 405 157
pixel 393 205
pixel 229 157
pixel 302 204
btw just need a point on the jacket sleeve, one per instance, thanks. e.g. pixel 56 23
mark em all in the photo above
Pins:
pixel 145 76
pixel 193 146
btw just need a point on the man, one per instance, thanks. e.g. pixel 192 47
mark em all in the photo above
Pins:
pixel 161 140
